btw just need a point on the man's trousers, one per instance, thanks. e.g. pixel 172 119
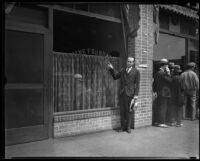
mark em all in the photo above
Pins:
pixel 125 115
pixel 190 101
pixel 162 105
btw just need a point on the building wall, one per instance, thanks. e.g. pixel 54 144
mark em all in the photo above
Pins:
pixel 85 122
pixel 142 47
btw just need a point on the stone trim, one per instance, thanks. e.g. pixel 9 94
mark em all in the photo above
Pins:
pixel 84 115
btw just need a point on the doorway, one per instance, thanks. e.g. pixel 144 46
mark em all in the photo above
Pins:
pixel 26 112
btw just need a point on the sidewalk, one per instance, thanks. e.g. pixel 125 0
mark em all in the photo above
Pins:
pixel 142 142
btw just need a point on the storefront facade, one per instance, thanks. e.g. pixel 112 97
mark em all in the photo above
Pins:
pixel 178 38
pixel 57 83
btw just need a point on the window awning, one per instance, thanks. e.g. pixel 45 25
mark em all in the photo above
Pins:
pixel 181 10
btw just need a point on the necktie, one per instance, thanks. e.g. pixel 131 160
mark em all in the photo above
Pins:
pixel 127 70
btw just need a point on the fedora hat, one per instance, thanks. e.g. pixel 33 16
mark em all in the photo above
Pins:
pixel 163 62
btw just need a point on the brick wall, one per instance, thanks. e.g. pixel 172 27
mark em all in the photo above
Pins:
pixel 66 124
pixel 142 48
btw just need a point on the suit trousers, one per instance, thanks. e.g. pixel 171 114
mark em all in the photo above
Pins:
pixel 170 114
pixel 162 105
pixel 178 113
pixel 125 115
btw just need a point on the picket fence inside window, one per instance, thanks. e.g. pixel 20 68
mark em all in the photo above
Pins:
pixel 82 82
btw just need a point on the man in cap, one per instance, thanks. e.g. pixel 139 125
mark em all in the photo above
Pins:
pixel 129 89
pixel 190 86
pixel 177 96
pixel 161 86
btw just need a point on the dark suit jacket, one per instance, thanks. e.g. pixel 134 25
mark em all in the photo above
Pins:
pixel 130 82
pixel 162 84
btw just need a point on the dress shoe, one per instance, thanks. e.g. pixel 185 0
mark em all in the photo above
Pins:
pixel 121 130
pixel 171 124
pixel 163 125
pixel 129 130
pixel 179 125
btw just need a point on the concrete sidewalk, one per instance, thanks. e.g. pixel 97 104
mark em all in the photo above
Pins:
pixel 142 142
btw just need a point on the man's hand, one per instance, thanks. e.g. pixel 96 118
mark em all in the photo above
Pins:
pixel 167 70
pixel 155 95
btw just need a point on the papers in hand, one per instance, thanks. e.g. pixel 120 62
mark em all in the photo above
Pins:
pixel 133 105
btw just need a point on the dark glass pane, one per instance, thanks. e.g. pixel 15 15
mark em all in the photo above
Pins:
pixel 83 7
pixel 30 13
pixel 86 33
pixel 170 47
pixel 184 26
pixel 112 10
pixel 164 20
pixel 193 27
pixel 23 108
pixel 24 57
pixel 188 26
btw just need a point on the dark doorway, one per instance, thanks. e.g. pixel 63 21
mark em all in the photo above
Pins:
pixel 26 116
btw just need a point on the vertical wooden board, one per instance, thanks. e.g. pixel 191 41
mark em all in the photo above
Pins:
pixel 72 85
pixel 83 82
pixel 95 84
pixel 104 84
pixel 59 85
pixel 90 82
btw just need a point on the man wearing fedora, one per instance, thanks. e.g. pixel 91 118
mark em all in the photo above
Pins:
pixel 177 95
pixel 190 86
pixel 128 92
pixel 162 88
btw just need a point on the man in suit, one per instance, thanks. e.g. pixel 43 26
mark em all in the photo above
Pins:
pixel 162 88
pixel 129 89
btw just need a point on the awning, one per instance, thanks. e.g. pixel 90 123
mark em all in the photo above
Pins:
pixel 181 10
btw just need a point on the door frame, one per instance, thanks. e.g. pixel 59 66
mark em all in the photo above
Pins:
pixel 47 84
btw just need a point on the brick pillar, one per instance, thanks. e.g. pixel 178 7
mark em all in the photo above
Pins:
pixel 142 48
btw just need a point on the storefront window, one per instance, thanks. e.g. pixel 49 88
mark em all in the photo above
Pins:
pixel 83 82
pixel 111 9
pixel 81 47
pixel 164 20
pixel 171 48
pixel 188 26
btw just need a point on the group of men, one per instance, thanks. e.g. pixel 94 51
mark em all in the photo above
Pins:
pixel 171 89
pixel 174 90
